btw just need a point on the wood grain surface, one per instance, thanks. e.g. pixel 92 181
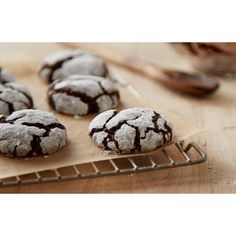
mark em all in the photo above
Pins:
pixel 217 113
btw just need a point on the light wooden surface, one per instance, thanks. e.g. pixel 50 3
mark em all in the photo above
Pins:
pixel 217 113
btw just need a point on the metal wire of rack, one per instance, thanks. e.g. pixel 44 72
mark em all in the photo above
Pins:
pixel 192 154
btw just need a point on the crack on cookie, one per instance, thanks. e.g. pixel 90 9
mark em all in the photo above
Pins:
pixel 59 63
pixel 35 143
pixel 94 130
pixel 108 138
pixel 169 131
pixel 110 94
pixel 54 66
pixel 9 104
pixel 137 139
pixel 112 131
pixel 137 145
pixel 15 152
pixel 156 129
pixel 11 109
pixel 112 116
pixel 90 101
pixel 47 128
pixel 111 137
pixel 35 146
pixel 13 120
pixel 29 98
pixel 33 138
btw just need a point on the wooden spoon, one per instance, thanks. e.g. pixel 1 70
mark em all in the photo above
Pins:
pixel 195 84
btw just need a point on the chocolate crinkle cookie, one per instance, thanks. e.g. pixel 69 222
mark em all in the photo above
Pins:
pixel 5 76
pixel 30 132
pixel 83 94
pixel 14 97
pixel 69 62
pixel 130 130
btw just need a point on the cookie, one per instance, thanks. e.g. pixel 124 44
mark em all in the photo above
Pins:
pixel 82 95
pixel 14 97
pixel 130 130
pixel 31 132
pixel 63 64
pixel 5 76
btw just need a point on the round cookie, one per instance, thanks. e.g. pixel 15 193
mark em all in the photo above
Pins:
pixel 130 130
pixel 14 97
pixel 63 64
pixel 82 95
pixel 31 132
pixel 5 76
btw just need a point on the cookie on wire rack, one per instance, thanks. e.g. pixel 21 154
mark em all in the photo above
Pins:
pixel 131 130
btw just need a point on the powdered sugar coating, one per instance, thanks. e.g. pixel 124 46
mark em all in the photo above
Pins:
pixel 5 76
pixel 130 130
pixel 69 62
pixel 83 94
pixel 14 97
pixel 31 132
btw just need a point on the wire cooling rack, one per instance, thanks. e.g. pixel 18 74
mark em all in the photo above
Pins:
pixel 173 156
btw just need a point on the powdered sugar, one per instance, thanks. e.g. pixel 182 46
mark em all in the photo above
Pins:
pixel 130 130
pixel 31 132
pixel 83 94
pixel 69 62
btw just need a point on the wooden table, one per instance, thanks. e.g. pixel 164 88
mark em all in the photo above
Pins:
pixel 217 112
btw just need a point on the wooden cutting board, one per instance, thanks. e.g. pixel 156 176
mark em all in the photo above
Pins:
pixel 216 112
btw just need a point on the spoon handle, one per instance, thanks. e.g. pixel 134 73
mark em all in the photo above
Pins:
pixel 195 84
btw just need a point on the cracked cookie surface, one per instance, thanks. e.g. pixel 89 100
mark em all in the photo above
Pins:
pixel 5 76
pixel 27 133
pixel 82 95
pixel 66 63
pixel 14 97
pixel 130 130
